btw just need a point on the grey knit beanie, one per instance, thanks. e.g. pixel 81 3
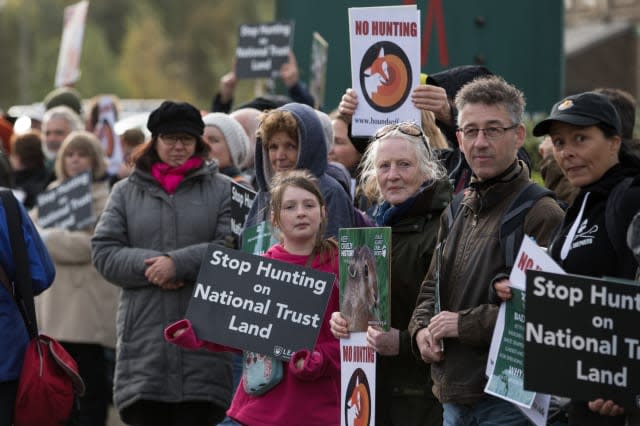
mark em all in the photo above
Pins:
pixel 327 128
pixel 234 134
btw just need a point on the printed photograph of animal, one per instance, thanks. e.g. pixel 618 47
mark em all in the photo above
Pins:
pixel 360 301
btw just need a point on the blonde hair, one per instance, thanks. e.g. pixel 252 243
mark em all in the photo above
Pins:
pixel 432 131
pixel 86 143
pixel 302 179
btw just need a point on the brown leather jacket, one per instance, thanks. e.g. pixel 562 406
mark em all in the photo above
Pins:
pixel 556 181
pixel 471 259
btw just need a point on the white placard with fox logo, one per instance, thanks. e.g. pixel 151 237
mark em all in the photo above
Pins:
pixel 385 65
pixel 358 381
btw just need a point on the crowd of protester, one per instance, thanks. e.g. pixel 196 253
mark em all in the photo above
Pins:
pixel 122 284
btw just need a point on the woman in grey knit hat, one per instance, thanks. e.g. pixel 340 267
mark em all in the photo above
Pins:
pixel 229 145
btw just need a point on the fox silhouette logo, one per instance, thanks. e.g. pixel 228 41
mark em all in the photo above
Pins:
pixel 385 76
pixel 358 400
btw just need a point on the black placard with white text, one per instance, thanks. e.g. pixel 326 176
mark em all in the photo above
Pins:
pixel 582 338
pixel 241 201
pixel 258 304
pixel 262 49
pixel 68 205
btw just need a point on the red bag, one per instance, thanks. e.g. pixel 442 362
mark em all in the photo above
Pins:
pixel 49 383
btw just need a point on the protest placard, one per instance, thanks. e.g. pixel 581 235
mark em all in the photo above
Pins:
pixel 106 132
pixel 262 49
pixel 581 337
pixel 505 364
pixel 68 205
pixel 318 71
pixel 385 65
pixel 258 238
pixel 258 304
pixel 241 201
pixel 365 274
pixel 357 381
pixel 68 68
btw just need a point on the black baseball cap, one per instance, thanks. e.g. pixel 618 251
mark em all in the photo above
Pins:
pixel 583 109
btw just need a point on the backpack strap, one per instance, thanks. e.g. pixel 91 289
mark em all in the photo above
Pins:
pixel 6 282
pixel 511 229
pixel 512 224
pixel 453 208
pixel 23 285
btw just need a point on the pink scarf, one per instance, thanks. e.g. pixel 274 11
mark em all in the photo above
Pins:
pixel 170 177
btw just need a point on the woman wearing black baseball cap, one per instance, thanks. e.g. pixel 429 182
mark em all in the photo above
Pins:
pixel 585 132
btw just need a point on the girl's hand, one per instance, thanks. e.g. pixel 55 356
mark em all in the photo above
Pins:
pixel 300 363
pixel 385 343
pixel 179 332
pixel 339 326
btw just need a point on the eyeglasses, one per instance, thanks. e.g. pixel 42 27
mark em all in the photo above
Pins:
pixel 172 140
pixel 408 128
pixel 491 133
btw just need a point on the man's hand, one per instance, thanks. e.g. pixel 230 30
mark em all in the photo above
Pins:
pixel 227 86
pixel 433 98
pixel 445 324
pixel 503 289
pixel 348 105
pixel 430 350
pixel 289 71
pixel 385 343
pixel 546 147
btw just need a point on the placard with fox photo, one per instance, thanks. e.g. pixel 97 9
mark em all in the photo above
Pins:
pixel 365 277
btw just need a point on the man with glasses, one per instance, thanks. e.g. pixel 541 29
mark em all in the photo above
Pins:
pixel 454 332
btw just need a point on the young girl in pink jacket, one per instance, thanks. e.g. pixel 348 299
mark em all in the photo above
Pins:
pixel 309 392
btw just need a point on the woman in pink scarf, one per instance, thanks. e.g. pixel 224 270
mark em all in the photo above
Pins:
pixel 150 241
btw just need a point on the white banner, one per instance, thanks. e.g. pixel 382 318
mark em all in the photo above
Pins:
pixel 68 70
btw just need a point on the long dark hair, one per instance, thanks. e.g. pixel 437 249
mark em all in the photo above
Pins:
pixel 626 155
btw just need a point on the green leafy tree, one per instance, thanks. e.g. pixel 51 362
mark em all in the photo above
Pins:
pixel 98 65
pixel 144 66
pixel 146 48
